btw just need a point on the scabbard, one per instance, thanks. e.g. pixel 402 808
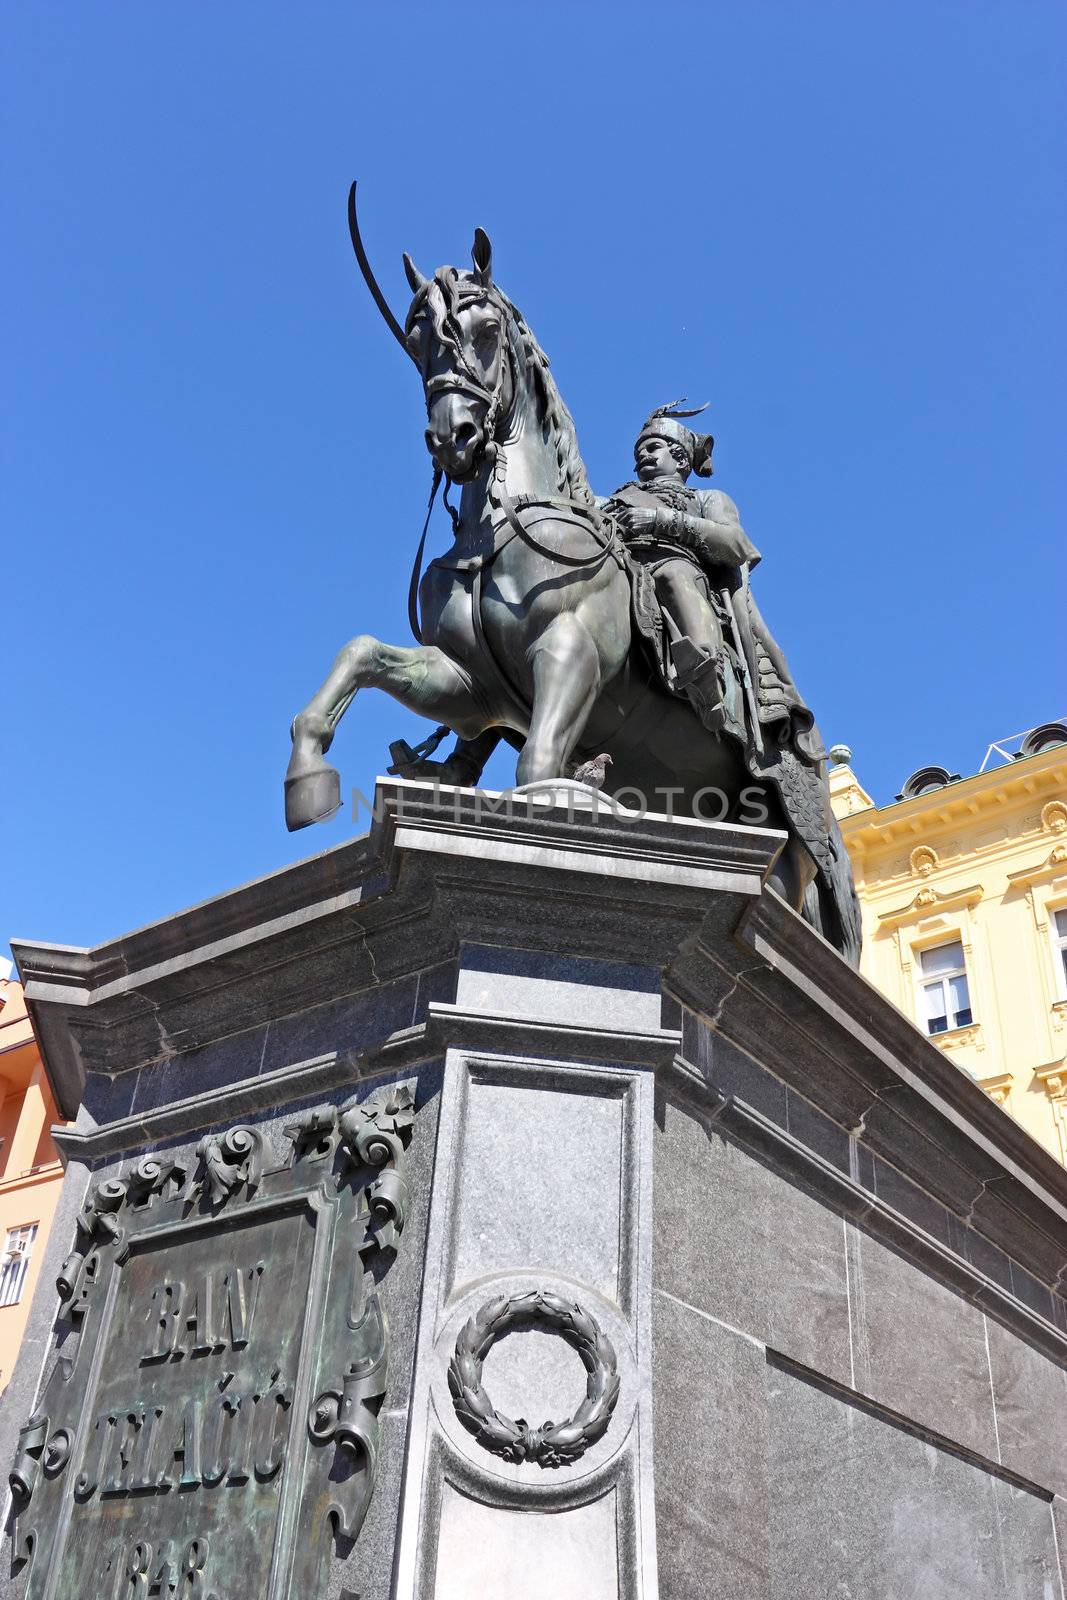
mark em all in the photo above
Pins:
pixel 743 629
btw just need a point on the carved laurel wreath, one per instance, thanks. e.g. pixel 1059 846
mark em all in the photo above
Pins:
pixel 553 1444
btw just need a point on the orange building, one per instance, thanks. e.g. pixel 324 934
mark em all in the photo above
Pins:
pixel 30 1172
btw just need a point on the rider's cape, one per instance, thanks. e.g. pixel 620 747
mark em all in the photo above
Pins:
pixel 788 752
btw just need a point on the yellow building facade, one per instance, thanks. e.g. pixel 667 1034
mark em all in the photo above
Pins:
pixel 963 888
pixel 31 1175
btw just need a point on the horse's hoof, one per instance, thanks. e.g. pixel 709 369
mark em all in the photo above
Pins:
pixel 312 797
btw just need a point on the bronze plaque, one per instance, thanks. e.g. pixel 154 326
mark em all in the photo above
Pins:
pixel 213 1425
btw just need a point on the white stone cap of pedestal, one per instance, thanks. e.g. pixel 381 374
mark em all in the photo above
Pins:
pixel 575 796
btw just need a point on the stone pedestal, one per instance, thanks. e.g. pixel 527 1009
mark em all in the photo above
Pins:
pixel 522 1201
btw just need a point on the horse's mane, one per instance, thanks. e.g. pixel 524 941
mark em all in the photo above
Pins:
pixel 557 420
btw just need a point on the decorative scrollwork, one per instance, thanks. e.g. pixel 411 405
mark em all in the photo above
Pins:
pixel 376 1130
pixel 346 1414
pixel 372 1132
pixel 57 1451
pixel 314 1136
pixel 1054 816
pixel 339 1205
pixel 553 1444
pixel 387 1200
pixel 96 1226
pixel 228 1160
pixel 98 1219
pixel 152 1175
pixel 23 1475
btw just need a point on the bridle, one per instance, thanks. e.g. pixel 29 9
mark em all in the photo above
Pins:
pixel 462 379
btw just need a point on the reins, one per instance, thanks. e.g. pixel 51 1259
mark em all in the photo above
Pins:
pixel 499 496
pixel 416 569
pixel 466 382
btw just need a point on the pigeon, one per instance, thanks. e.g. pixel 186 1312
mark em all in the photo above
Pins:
pixel 592 772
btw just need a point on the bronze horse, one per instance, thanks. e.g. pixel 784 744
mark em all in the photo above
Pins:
pixel 526 621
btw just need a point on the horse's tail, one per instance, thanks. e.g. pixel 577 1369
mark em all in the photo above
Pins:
pixel 831 904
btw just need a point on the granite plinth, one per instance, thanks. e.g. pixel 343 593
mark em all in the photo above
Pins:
pixel 712 1173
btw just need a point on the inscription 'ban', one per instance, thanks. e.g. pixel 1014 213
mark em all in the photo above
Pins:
pixel 213 1314
pixel 141 1447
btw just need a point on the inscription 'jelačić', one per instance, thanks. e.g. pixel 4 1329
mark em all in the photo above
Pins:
pixel 194 1405
pixel 143 1446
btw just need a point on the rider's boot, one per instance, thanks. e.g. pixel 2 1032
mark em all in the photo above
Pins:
pixel 699 676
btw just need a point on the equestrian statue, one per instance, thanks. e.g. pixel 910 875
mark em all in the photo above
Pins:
pixel 574 626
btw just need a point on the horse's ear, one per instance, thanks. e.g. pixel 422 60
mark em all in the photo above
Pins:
pixel 482 256
pixel 414 276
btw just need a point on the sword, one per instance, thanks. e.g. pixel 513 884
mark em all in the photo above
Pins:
pixel 368 275
pixel 748 649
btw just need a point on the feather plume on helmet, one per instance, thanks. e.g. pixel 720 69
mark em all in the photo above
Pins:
pixel 666 422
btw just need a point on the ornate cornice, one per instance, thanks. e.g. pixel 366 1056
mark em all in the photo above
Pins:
pixel 438 868
pixel 1050 866
pixel 1053 1079
pixel 928 901
pixel 982 795
pixel 969 1037
pixel 998 1086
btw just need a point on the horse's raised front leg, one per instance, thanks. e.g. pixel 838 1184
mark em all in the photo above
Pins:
pixel 422 678
pixel 566 678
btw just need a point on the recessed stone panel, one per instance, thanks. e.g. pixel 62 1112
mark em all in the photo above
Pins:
pixel 711 1458
pixel 769 1485
pixel 863 1508
pixel 1030 1394
pixel 526 983
pixel 540 1159
pixel 484 1552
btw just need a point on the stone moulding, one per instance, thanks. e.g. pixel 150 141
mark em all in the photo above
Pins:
pixel 445 1025
pixel 421 882
pixel 793 1158
pixel 685 903
pixel 248 1274
pixel 788 1000
pixel 896 1419
pixel 369 907
pixel 410 892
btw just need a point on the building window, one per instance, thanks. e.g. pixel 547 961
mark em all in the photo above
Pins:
pixel 15 1263
pixel 1059 941
pixel 946 1000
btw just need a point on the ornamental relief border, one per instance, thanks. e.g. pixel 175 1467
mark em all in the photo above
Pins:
pixel 302 1435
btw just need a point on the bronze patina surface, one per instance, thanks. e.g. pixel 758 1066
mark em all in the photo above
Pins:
pixel 209 1425
pixel 572 625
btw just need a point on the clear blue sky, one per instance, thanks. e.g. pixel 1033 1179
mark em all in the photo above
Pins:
pixel 843 224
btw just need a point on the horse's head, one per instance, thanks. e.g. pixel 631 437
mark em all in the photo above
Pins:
pixel 459 335
pixel 480 366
